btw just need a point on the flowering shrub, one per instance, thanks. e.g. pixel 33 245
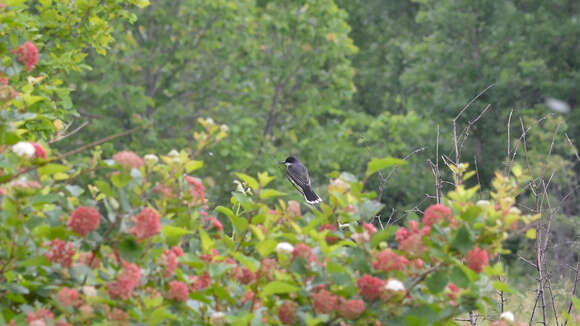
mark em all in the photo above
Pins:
pixel 132 253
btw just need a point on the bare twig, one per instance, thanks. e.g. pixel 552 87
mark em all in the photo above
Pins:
pixel 576 279
pixel 61 137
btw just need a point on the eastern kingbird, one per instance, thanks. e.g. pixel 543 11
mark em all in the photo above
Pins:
pixel 298 175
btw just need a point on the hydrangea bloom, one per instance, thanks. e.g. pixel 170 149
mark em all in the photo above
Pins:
pixel 394 285
pixel 61 252
pixel 244 275
pixel 178 291
pixel 169 261
pixel 477 259
pixel 411 240
pixel 126 282
pixel 287 312
pixel 387 260
pixel 84 220
pixel 507 315
pixel 200 282
pixel 68 297
pixel 351 309
pixel 370 287
pixel 323 302
pixel 27 54
pixel 129 160
pixel 436 213
pixel 284 248
pixel 146 224
pixel 39 151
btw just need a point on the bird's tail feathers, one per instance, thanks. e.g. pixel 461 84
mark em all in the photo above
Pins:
pixel 310 196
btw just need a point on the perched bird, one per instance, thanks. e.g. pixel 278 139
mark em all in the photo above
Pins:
pixel 298 175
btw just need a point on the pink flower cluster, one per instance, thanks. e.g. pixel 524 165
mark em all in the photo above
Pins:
pixel 129 160
pixel 84 220
pixel 477 259
pixel 41 315
pixel 411 240
pixel 370 287
pixel 198 190
pixel 68 297
pixel 244 275
pixel 27 54
pixel 436 213
pixel 39 151
pixel 147 224
pixel 178 290
pixel 169 260
pixel 351 309
pixel 126 282
pixel 199 282
pixel 323 302
pixel 287 312
pixel 387 260
pixel 304 251
pixel 61 252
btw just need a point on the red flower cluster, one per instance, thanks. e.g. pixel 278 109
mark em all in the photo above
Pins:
pixel 330 239
pixel 267 268
pixel 61 252
pixel 411 241
pixel 84 220
pixel 86 258
pixel 453 293
pixel 178 291
pixel 436 213
pixel 68 297
pixel 477 259
pixel 200 282
pixel 39 151
pixel 370 287
pixel 287 312
pixel 129 160
pixel 146 224
pixel 369 228
pixel 27 54
pixel 244 275
pixel 198 191
pixel 323 302
pixel 126 282
pixel 169 260
pixel 387 260
pixel 351 309
pixel 41 314
pixel 304 251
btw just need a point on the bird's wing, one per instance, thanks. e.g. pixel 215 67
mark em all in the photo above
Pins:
pixel 299 174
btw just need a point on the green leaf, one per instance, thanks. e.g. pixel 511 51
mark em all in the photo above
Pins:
pixel 458 277
pixel 159 315
pixel 247 261
pixel 193 165
pixel 501 286
pixel 531 234
pixel 35 261
pixel 277 287
pixel 250 181
pixel 377 164
pixel 269 193
pixel 242 319
pixel 383 235
pixel 369 209
pixel 206 242
pixel 471 213
pixel 121 179
pixel 240 224
pixel 576 302
pixel 463 240
pixel 173 234
pixel 52 168
pixel 264 179
pixel 130 250
pixel 266 247
pixel 104 187
pixel 437 281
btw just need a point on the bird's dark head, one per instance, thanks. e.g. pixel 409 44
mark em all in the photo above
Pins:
pixel 290 159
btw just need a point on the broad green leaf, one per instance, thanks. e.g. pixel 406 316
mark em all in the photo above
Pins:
pixel 206 242
pixel 269 193
pixel 240 224
pixel 104 187
pixel 370 209
pixel 264 179
pixel 35 261
pixel 159 315
pixel 193 165
pixel 250 181
pixel 52 168
pixel 130 250
pixel 437 281
pixel 266 247
pixel 121 179
pixel 501 286
pixel 277 287
pixel 242 319
pixel 377 164
pixel 463 240
pixel 173 234
pixel 576 302
pixel 458 277
pixel 383 235
pixel 247 261
pixel 471 213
